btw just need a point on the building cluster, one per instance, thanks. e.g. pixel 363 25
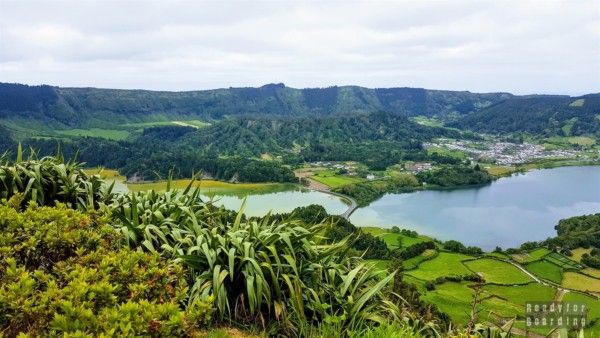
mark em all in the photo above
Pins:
pixel 503 153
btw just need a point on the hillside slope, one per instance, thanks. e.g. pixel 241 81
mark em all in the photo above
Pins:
pixel 98 108
pixel 546 115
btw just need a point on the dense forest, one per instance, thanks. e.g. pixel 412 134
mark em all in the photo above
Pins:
pixel 91 107
pixel 538 115
pixel 231 149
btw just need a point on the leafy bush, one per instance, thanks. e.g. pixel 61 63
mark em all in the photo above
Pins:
pixel 277 272
pixel 49 180
pixel 64 274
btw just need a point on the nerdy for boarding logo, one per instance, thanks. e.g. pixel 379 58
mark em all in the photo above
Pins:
pixel 555 314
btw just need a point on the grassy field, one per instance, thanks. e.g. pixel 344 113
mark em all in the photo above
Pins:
pixel 111 134
pixel 593 314
pixel 413 263
pixel 216 187
pixel 592 272
pixel 531 256
pixel 500 171
pixel 521 294
pixel 391 239
pixel 570 141
pixel 334 180
pixel 562 261
pixel 577 103
pixel 545 269
pixel 447 152
pixel 427 121
pixel 495 271
pixel 444 264
pixel 577 253
pixel 185 123
pixel 577 281
pixel 453 299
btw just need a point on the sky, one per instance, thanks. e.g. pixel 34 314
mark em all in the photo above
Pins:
pixel 523 47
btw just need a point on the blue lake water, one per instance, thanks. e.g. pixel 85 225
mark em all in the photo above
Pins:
pixel 508 212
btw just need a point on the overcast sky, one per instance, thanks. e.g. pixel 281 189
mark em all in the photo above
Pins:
pixel 482 46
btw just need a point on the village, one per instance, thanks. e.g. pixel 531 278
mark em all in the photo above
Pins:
pixel 503 153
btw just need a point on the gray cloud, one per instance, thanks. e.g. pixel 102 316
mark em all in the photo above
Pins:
pixel 517 46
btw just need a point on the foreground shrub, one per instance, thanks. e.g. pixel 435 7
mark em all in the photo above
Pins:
pixel 49 180
pixel 64 273
pixel 281 274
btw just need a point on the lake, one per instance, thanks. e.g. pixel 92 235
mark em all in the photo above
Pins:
pixel 508 212
pixel 280 202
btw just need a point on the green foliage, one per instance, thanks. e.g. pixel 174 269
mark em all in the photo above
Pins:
pixel 49 180
pixel 456 246
pixel 83 107
pixel 579 231
pixel 541 115
pixel 455 176
pixel 276 272
pixel 65 274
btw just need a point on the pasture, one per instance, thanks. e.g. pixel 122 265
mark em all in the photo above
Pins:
pixel 593 314
pixel 334 180
pixel 495 271
pixel 445 264
pixel 531 256
pixel 577 281
pixel 577 253
pixel 546 270
pixel 563 261
pixel 391 238
pixel 413 263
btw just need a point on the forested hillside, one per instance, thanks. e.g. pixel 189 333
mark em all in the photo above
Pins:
pixel 254 136
pixel 91 107
pixel 545 115
pixel 230 149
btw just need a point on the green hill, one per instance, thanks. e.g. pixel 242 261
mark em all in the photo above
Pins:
pixel 540 115
pixel 101 108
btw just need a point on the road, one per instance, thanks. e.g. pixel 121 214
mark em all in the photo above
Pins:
pixel 320 187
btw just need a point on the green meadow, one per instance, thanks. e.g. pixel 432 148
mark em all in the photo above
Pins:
pixel 445 264
pixel 334 180
pixel 546 270
pixel 495 271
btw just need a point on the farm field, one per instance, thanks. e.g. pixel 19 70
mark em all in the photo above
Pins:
pixel 391 239
pixel 500 171
pixel 571 140
pixel 334 180
pixel 563 261
pixel 446 152
pixel 577 281
pixel 216 187
pixel 592 272
pixel 531 256
pixel 495 271
pixel 545 269
pixel 444 264
pixel 414 262
pixel 593 311
pixel 184 123
pixel 577 253
pixel 455 299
